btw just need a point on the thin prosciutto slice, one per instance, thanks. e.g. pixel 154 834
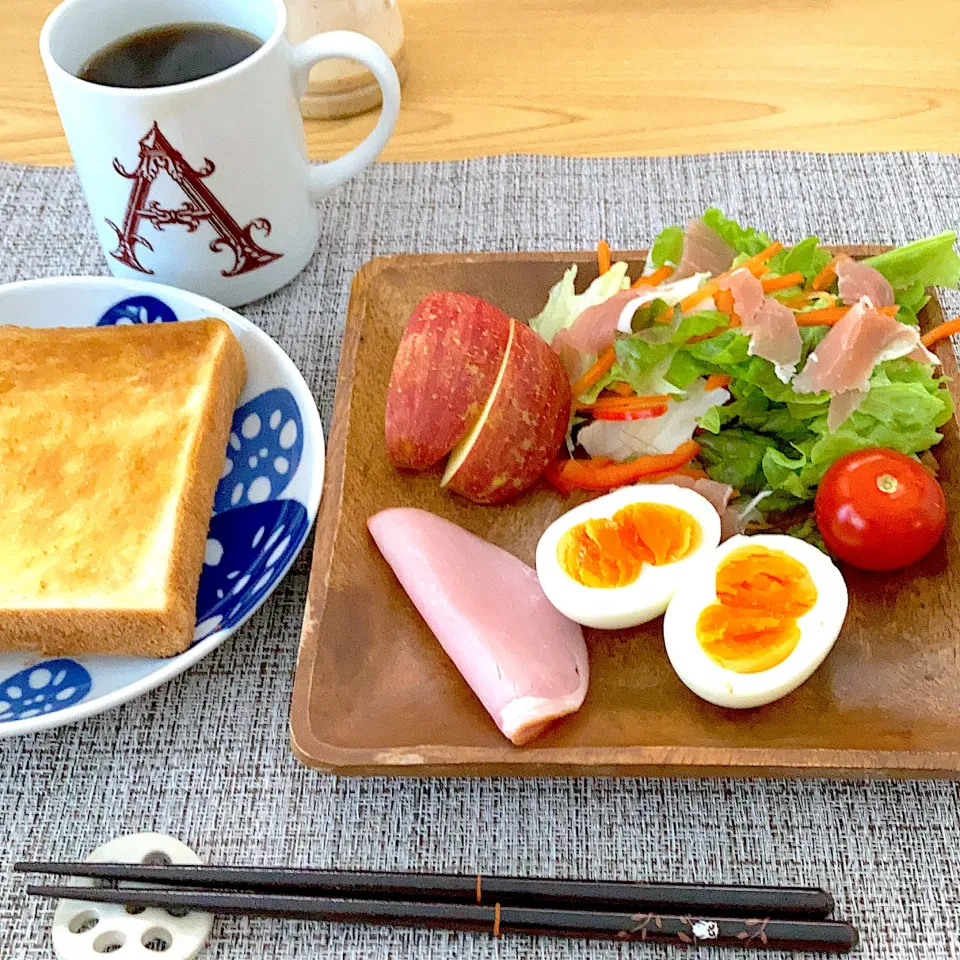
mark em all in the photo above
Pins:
pixel 856 280
pixel 719 494
pixel 844 359
pixel 525 661
pixel 704 251
pixel 775 336
pixel 772 327
pixel 595 328
pixel 747 292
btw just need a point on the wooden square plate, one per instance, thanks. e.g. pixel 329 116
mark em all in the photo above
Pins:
pixel 375 694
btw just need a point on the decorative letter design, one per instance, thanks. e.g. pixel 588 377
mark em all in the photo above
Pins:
pixel 156 154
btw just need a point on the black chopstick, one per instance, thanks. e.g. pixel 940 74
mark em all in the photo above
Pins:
pixel 791 934
pixel 679 898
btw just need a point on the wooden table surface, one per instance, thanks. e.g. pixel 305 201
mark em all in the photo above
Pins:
pixel 615 78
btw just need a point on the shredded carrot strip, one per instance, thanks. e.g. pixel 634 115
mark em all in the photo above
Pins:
pixel 819 318
pixel 603 256
pixel 781 283
pixel 830 315
pixel 621 389
pixel 825 278
pixel 941 332
pixel 759 260
pixel 803 300
pixel 604 362
pixel 698 296
pixel 625 403
pixel 724 301
pixel 716 381
pixel 654 279
pixel 710 288
pixel 666 316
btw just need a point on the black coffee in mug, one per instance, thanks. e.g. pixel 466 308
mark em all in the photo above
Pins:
pixel 174 53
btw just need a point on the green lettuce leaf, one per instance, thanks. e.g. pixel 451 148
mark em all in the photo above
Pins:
pixel 643 360
pixel 807 256
pixel 911 301
pixel 782 473
pixel 932 262
pixel 712 420
pixel 727 353
pixel 745 240
pixel 646 315
pixel 735 456
pixel 699 323
pixel 655 360
pixel 683 370
pixel 903 410
pixel 564 304
pixel 668 247
pixel 768 438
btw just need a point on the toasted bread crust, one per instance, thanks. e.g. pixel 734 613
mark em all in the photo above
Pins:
pixel 208 352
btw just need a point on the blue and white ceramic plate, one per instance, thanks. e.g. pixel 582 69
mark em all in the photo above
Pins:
pixel 265 504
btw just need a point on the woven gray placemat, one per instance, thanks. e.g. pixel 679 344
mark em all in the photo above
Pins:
pixel 206 757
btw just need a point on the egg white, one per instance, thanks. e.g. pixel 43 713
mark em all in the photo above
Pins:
pixel 819 628
pixel 612 608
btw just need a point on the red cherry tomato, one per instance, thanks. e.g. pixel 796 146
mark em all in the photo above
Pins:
pixel 880 510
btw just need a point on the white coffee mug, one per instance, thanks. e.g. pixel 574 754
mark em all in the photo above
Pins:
pixel 204 185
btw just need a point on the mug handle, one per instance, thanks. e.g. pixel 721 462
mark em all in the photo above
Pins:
pixel 353 46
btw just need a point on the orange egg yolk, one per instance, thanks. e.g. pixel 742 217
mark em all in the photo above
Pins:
pixel 611 551
pixel 753 624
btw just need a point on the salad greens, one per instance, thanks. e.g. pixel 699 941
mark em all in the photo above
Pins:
pixel 564 304
pixel 931 262
pixel 769 438
pixel 667 247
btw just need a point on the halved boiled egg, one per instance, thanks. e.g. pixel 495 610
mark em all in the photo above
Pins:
pixel 755 621
pixel 616 561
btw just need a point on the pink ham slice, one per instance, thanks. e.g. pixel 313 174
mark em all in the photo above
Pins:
pixel 775 336
pixel 772 327
pixel 842 406
pixel 747 292
pixel 922 355
pixel 844 359
pixel 704 251
pixel 594 329
pixel 525 661
pixel 719 494
pixel 856 280
pixel 572 360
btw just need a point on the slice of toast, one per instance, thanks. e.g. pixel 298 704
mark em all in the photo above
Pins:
pixel 112 442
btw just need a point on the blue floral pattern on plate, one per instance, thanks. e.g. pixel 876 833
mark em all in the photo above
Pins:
pixel 137 310
pixel 43 688
pixel 264 450
pixel 247 549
